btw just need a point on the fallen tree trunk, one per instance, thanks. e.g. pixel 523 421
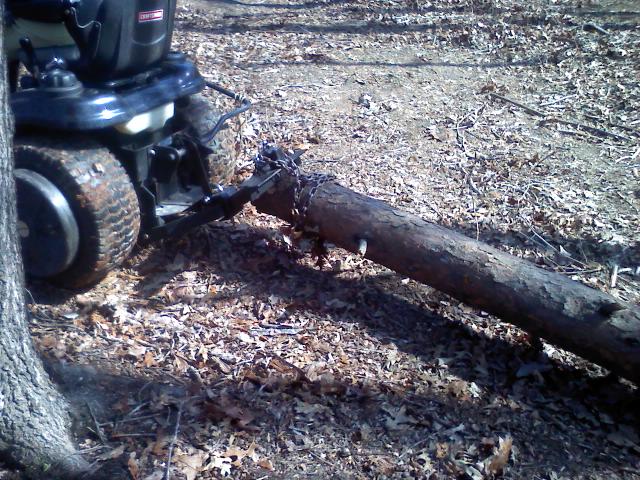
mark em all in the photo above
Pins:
pixel 566 313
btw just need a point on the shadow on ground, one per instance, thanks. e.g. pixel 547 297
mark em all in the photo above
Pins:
pixel 556 403
pixel 407 315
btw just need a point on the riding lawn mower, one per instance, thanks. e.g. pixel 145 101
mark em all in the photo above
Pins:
pixel 114 140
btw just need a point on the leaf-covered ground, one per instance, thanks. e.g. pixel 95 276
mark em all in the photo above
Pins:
pixel 515 122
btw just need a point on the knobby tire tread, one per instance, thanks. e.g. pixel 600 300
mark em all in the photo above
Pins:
pixel 101 197
pixel 201 115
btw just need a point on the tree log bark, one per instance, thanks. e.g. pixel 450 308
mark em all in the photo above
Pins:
pixel 34 417
pixel 566 313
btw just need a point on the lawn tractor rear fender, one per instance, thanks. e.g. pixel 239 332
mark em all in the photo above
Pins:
pixel 104 105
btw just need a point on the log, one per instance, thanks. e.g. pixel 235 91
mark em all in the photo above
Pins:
pixel 549 305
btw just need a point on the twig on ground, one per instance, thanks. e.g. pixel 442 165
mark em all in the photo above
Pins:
pixel 174 438
pixel 318 457
pixel 580 126
pixel 92 449
pixel 99 432
pixel 587 128
pixel 614 276
pixel 556 250
pixel 472 185
pixel 634 471
pixel 574 133
pixel 415 445
pixel 434 209
pixel 134 419
pixel 612 124
pixel 592 27
pixel 628 202
pixel 557 100
pixel 135 410
pixel 526 108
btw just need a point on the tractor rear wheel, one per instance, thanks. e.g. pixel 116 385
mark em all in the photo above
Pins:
pixel 200 116
pixel 78 212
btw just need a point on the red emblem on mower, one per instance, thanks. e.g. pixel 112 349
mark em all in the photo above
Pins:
pixel 150 16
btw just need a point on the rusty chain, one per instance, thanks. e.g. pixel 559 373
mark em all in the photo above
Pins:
pixel 270 156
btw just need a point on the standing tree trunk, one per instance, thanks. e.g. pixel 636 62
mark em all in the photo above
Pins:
pixel 34 416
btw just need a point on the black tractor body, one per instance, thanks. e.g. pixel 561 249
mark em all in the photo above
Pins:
pixel 113 135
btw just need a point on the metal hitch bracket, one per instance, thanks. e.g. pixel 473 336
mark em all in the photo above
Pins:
pixel 222 205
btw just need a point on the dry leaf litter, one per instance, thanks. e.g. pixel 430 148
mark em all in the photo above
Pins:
pixel 517 123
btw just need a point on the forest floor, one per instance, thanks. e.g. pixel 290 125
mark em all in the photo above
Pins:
pixel 517 123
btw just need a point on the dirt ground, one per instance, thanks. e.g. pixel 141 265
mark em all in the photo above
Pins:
pixel 517 123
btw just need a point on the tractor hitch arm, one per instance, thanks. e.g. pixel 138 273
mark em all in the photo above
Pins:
pixel 224 204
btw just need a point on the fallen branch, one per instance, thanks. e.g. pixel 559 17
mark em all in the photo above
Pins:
pixel 587 128
pixel 174 438
pixel 592 27
pixel 526 108
pixel 569 314
pixel 546 119
pixel 99 431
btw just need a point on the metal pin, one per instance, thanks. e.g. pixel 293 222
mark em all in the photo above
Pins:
pixel 362 247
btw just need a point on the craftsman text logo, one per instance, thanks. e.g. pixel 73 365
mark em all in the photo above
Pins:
pixel 150 16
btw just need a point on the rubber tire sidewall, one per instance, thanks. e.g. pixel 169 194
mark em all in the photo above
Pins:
pixel 100 194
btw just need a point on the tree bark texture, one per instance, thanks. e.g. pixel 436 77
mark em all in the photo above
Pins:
pixel 568 314
pixel 34 417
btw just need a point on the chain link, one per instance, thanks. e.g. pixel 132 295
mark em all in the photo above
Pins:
pixel 273 157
